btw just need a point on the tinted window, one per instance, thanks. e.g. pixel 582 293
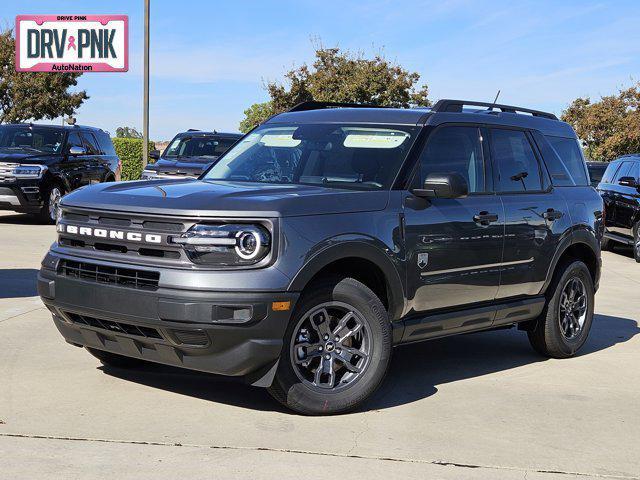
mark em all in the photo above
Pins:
pixel 569 153
pixel 623 171
pixel 90 144
pixel 610 173
pixel 596 172
pixel 198 146
pixel 105 143
pixel 517 168
pixel 74 140
pixel 455 150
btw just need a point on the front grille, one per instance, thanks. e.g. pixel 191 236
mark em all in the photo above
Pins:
pixel 126 277
pixel 110 325
pixel 110 248
pixel 5 171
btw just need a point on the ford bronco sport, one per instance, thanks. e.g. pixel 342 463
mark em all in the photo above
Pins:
pixel 330 234
pixel 40 163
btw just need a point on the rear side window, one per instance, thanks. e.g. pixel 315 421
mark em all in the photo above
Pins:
pixel 610 173
pixel 90 144
pixel 516 166
pixel 569 153
pixel 455 150
pixel 106 145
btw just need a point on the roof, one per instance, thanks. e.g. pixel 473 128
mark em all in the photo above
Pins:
pixel 58 127
pixel 630 156
pixel 444 111
pixel 194 132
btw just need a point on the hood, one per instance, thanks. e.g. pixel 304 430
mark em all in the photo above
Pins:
pixel 189 166
pixel 26 157
pixel 224 198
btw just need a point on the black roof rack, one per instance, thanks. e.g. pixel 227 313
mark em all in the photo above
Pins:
pixel 447 105
pixel 313 105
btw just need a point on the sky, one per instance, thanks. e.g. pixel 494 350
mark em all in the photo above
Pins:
pixel 211 59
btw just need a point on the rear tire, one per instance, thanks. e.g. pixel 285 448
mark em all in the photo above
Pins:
pixel 336 349
pixel 563 326
pixel 114 360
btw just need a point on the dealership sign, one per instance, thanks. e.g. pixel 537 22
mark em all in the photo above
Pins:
pixel 72 43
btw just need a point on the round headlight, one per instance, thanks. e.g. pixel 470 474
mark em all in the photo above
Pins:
pixel 249 244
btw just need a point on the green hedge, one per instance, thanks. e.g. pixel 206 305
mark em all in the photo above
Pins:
pixel 130 152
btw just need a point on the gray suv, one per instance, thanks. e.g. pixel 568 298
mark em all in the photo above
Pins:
pixel 329 235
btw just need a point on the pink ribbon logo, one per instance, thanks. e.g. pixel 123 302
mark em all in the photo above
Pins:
pixel 72 43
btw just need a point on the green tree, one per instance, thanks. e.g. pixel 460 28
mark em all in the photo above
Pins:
pixel 34 95
pixel 337 76
pixel 609 127
pixel 127 132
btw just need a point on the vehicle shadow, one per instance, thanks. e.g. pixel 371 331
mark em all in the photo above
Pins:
pixel 624 250
pixel 415 372
pixel 18 282
pixel 20 219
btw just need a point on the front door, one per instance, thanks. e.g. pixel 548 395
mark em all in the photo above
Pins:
pixel 454 246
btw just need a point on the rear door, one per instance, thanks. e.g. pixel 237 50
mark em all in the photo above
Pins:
pixel 535 214
pixel 96 171
pixel 454 246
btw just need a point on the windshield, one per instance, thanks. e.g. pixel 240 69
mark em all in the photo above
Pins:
pixel 30 139
pixel 339 156
pixel 198 146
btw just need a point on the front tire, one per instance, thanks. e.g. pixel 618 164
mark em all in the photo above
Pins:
pixel 50 208
pixel 114 360
pixel 336 349
pixel 564 325
pixel 636 242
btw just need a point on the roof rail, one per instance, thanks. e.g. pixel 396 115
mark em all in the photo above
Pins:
pixel 448 105
pixel 313 105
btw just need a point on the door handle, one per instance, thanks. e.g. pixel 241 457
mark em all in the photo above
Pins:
pixel 552 214
pixel 485 218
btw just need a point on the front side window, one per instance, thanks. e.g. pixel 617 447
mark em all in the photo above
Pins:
pixel 455 150
pixel 197 146
pixel 74 141
pixel 30 139
pixel 623 171
pixel 516 166
pixel 336 156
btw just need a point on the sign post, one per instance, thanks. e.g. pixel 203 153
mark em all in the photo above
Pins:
pixel 145 108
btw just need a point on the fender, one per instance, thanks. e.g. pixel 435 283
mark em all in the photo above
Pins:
pixel 579 235
pixel 355 249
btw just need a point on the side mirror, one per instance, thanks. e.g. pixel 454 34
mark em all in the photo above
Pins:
pixel 628 182
pixel 155 154
pixel 443 185
pixel 76 151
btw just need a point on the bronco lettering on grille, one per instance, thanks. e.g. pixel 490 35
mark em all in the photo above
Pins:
pixel 111 234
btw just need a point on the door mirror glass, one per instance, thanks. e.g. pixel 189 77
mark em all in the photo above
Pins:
pixel 443 185
pixel 155 154
pixel 628 182
pixel 76 151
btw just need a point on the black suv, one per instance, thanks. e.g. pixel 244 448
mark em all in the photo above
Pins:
pixel 40 163
pixel 327 236
pixel 620 189
pixel 189 154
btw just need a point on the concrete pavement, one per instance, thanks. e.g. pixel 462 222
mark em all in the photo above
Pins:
pixel 480 406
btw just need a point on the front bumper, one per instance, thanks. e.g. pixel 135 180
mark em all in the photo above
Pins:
pixel 21 196
pixel 227 333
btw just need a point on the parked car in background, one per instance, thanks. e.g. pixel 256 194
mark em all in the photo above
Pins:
pixel 41 163
pixel 596 171
pixel 189 154
pixel 325 237
pixel 620 189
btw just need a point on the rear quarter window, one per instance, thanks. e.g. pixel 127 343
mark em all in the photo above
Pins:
pixel 572 162
pixel 106 145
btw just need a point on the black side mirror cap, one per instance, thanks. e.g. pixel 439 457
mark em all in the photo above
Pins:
pixel 443 185
pixel 155 154
pixel 628 182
